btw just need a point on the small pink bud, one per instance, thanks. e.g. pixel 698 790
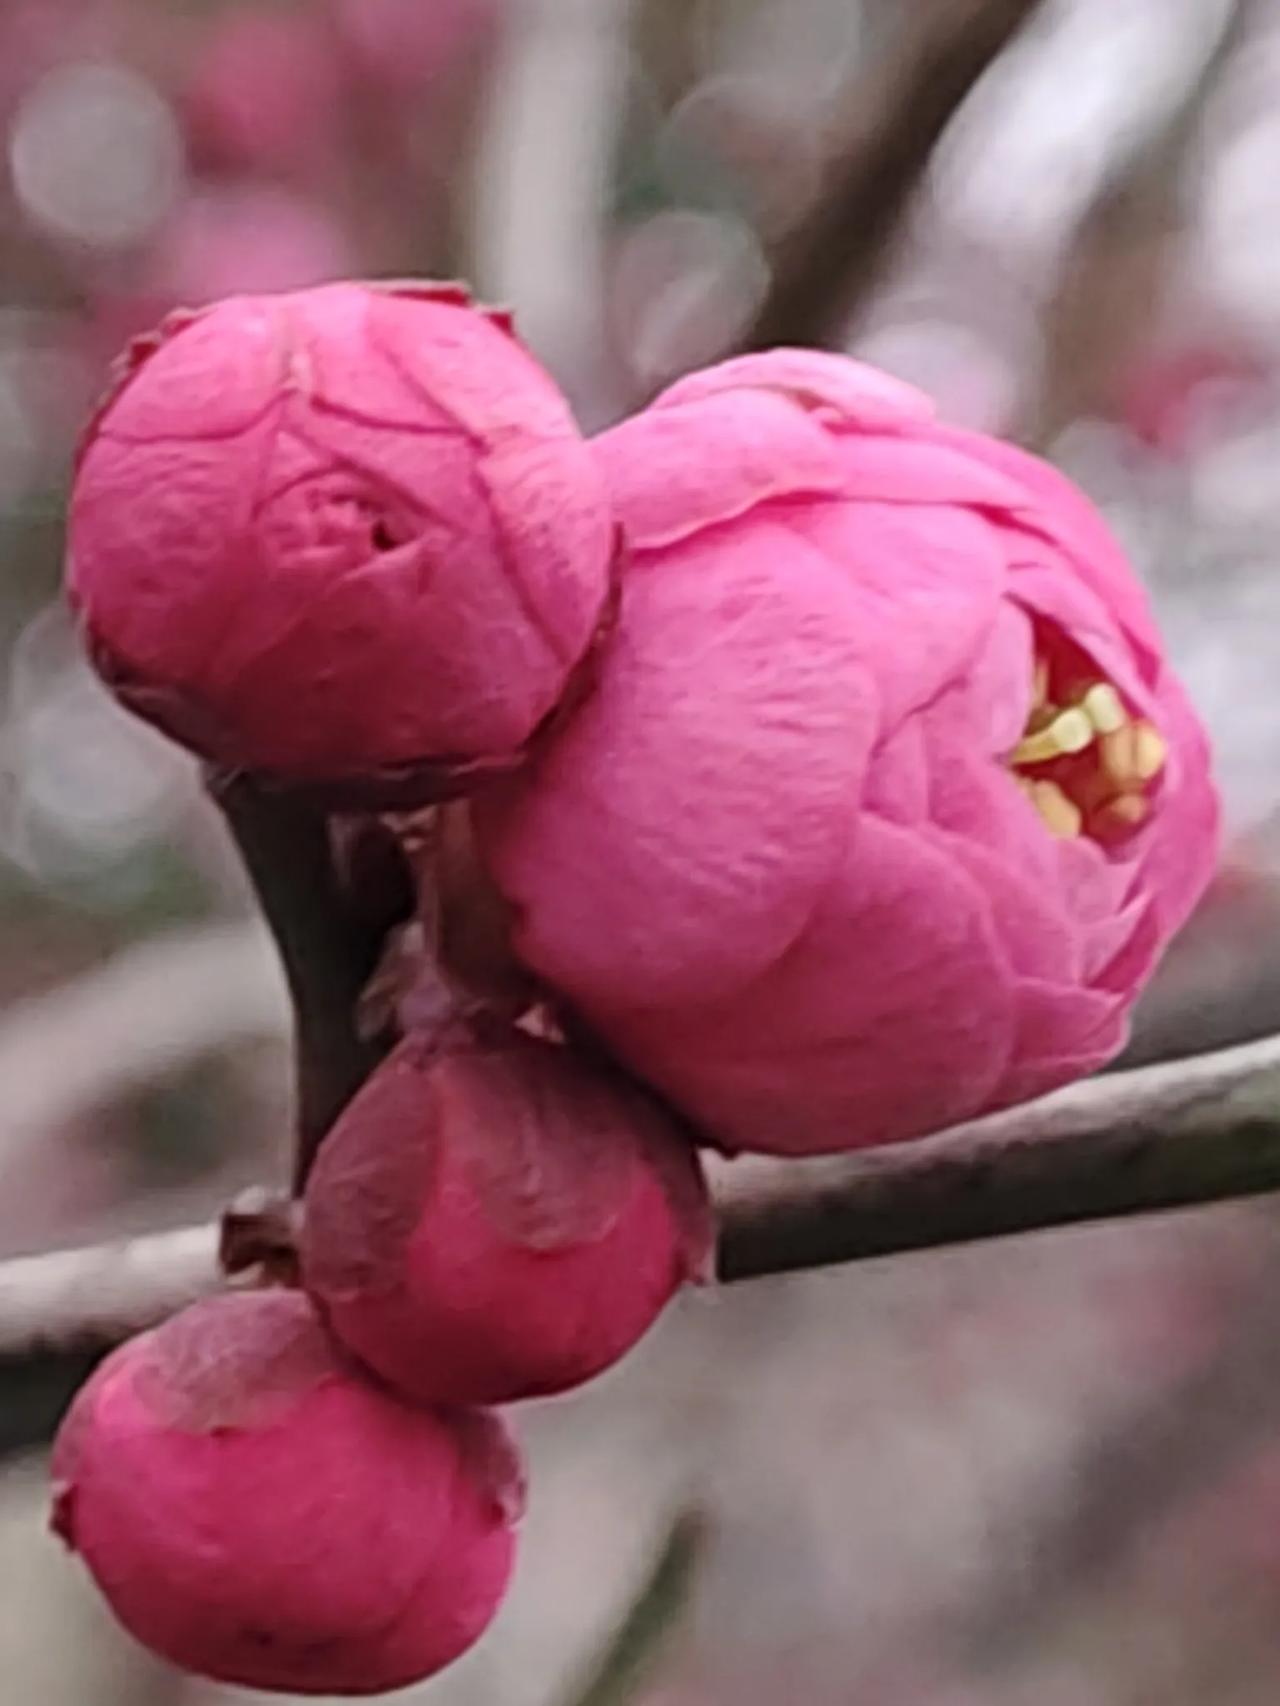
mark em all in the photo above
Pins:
pixel 493 1219
pixel 347 537
pixel 256 1510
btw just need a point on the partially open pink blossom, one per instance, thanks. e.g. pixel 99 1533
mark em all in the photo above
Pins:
pixel 256 1510
pixel 348 536
pixel 886 800
pixel 494 1218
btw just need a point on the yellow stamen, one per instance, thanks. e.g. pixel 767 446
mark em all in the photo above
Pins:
pixel 1059 814
pixel 1104 709
pixel 1070 731
pixel 1120 756
pixel 1150 752
pixel 1133 754
pixel 1104 795
pixel 1127 810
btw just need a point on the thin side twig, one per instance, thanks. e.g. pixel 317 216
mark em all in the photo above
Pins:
pixel 1189 1131
pixel 329 945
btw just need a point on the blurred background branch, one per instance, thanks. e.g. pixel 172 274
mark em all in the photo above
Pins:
pixel 890 127
pixel 542 175
pixel 635 1646
pixel 142 1015
pixel 1122 262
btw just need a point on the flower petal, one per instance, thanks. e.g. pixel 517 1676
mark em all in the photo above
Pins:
pixel 673 840
pixel 893 1014
pixel 838 390
pixel 926 584
pixel 673 472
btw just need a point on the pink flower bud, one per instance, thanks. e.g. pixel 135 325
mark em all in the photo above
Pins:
pixel 256 1510
pixel 348 537
pixel 886 800
pixel 492 1219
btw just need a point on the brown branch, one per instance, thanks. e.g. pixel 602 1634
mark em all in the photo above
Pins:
pixel 60 1312
pixel 1193 1131
pixel 85 1299
pixel 329 939
pixel 827 267
pixel 1162 1137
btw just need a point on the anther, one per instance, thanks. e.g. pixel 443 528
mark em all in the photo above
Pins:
pixel 1070 731
pixel 1060 815
pixel 1104 709
pixel 1134 754
pixel 1127 811
pixel 1149 752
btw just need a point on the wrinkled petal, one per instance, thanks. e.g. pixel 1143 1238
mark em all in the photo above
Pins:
pixel 1140 941
pixel 927 584
pixel 686 818
pixel 338 533
pixel 1042 588
pixel 897 783
pixel 987 705
pixel 1063 1034
pixel 1038 940
pixel 894 1014
pixel 1173 867
pixel 1067 518
pixel 836 389
pixel 674 472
